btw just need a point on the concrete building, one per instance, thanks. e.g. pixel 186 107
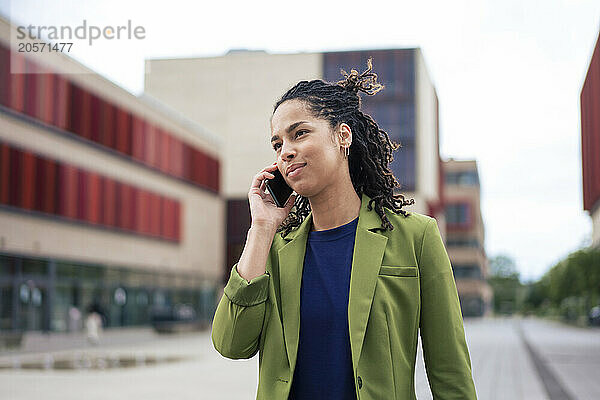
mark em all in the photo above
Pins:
pixel 234 95
pixel 465 236
pixel 106 199
pixel 590 142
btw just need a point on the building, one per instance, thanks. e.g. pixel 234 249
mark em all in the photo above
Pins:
pixel 234 95
pixel 465 236
pixel 590 142
pixel 106 200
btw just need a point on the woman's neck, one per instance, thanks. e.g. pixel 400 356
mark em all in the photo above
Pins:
pixel 334 208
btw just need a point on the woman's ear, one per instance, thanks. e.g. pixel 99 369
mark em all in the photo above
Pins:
pixel 345 134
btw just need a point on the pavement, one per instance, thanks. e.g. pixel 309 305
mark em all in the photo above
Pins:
pixel 506 355
pixel 570 354
pixel 500 364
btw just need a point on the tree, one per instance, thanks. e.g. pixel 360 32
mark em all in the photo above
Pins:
pixel 503 266
pixel 505 283
pixel 569 288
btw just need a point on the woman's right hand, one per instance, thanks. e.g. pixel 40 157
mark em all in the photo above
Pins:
pixel 263 210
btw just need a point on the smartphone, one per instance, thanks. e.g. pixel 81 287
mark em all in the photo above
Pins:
pixel 278 188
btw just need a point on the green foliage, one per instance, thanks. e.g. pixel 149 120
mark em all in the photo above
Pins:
pixel 503 266
pixel 505 284
pixel 569 289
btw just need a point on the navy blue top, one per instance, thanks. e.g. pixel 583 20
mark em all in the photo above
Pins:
pixel 324 363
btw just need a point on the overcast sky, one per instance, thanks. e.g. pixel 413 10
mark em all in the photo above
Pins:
pixel 508 74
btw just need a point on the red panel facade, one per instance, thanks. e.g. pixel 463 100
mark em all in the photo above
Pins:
pixel 47 102
pixel 62 95
pixel 15 177
pixel 93 215
pixel 55 100
pixel 469 222
pixel 31 89
pixel 4 76
pixel 47 182
pixel 4 173
pixel 122 131
pixel 82 195
pixel 29 181
pixel 138 139
pixel 36 183
pixel 590 132
pixel 17 84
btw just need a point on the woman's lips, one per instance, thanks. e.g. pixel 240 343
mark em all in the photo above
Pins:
pixel 296 171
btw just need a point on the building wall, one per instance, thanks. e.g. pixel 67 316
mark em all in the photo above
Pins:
pixel 465 236
pixel 200 220
pixel 590 141
pixel 427 165
pixel 596 227
pixel 104 197
pixel 393 108
pixel 233 95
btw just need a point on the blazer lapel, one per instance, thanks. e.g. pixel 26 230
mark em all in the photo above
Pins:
pixel 291 262
pixel 369 248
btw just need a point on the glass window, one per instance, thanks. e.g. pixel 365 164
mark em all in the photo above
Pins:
pixel 468 178
pixel 403 166
pixel 33 299
pixel 112 275
pixel 467 272
pixel 92 272
pixel 63 299
pixel 465 178
pixel 450 178
pixel 164 280
pixel 6 307
pixel 159 298
pixel 7 266
pixel 457 213
pixel 463 242
pixel 34 266
pixel 66 271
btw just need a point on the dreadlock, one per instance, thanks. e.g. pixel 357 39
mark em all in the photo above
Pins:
pixel 371 149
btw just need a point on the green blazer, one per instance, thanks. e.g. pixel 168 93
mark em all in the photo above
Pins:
pixel 401 283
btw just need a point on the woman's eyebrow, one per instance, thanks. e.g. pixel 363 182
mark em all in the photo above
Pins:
pixel 288 130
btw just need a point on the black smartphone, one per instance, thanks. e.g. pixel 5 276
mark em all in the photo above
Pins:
pixel 278 188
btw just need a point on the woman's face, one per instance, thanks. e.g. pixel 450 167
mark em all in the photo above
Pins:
pixel 297 137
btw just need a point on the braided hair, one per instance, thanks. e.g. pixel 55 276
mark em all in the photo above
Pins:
pixel 371 149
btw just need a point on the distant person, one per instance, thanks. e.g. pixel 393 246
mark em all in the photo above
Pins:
pixel 333 294
pixel 74 324
pixel 96 307
pixel 93 325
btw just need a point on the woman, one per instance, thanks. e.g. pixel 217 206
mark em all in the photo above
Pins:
pixel 333 294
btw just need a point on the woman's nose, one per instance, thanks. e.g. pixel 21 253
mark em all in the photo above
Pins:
pixel 287 152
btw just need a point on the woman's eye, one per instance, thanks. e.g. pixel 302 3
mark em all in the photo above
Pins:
pixel 297 134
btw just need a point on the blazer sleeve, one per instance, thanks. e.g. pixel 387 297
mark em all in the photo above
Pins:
pixel 239 317
pixel 445 352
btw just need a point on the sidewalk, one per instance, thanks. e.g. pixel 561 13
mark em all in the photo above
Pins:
pixel 201 372
pixel 501 364
pixel 571 354
pixel 35 342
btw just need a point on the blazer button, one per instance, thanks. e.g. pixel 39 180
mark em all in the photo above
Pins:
pixel 359 380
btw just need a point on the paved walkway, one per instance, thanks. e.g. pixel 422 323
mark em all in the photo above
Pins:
pixel 571 354
pixel 502 366
pixel 499 361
